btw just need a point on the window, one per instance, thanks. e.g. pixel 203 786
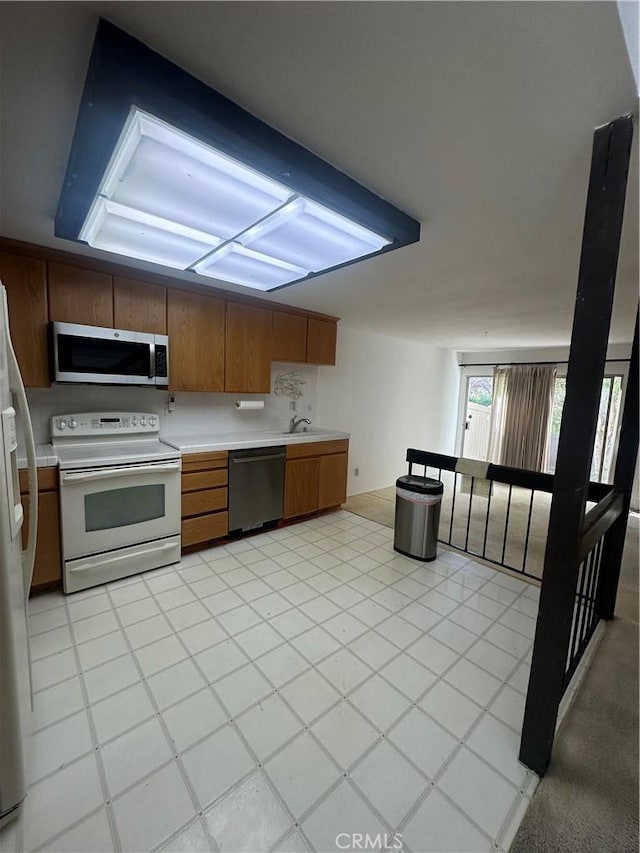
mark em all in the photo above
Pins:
pixel 606 430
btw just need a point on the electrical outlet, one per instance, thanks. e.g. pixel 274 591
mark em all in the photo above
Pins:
pixel 171 404
pixel 357 472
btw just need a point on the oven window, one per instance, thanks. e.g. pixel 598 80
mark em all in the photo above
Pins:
pixel 121 507
pixel 101 355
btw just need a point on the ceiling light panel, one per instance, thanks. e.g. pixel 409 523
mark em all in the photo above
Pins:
pixel 168 198
pixel 238 265
pixel 159 169
pixel 136 234
pixel 165 169
pixel 312 236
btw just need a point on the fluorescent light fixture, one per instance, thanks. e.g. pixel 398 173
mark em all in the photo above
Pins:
pixel 169 198
pixel 165 169
pixel 312 236
pixel 243 266
pixel 137 234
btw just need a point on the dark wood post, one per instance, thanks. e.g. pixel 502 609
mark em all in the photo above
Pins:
pixel 623 480
pixel 589 339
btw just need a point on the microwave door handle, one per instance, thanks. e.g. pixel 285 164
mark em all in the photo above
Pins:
pixel 109 473
pixel 152 360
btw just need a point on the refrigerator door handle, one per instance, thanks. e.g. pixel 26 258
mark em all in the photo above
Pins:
pixel 17 388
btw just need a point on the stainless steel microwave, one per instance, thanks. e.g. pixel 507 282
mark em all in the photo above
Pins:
pixel 109 356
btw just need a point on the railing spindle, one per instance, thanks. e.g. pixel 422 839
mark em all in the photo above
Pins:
pixel 506 524
pixel 466 541
pixel 526 538
pixel 453 506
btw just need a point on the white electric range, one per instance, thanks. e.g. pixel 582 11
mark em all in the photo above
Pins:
pixel 119 496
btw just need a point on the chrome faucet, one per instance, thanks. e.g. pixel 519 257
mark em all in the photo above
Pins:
pixel 294 424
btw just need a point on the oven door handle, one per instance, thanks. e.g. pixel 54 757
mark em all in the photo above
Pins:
pixel 110 473
pixel 167 546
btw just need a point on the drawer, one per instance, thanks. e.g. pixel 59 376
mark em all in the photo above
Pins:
pixel 209 500
pixel 204 480
pixel 205 461
pixel 47 480
pixel 204 528
pixel 317 448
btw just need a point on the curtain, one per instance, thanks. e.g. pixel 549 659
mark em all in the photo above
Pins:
pixel 498 411
pixel 521 409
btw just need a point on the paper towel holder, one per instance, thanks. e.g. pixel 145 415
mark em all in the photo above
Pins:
pixel 251 405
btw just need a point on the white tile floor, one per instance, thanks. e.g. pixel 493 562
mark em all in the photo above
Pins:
pixel 272 693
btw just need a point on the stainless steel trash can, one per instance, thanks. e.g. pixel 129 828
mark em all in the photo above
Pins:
pixel 418 501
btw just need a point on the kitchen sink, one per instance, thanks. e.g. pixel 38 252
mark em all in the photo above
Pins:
pixel 302 433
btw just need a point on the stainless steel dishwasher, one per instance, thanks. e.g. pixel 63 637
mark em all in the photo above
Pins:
pixel 256 487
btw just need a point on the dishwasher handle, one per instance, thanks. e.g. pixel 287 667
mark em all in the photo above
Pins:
pixel 237 460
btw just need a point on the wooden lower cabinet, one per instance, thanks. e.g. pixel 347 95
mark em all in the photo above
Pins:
pixel 301 487
pixel 315 477
pixel 47 570
pixel 332 480
pixel 204 498
pixel 204 528
pixel 197 480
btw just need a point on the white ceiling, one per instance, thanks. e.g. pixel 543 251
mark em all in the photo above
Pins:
pixel 475 118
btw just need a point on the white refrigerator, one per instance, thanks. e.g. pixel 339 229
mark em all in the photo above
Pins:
pixel 16 569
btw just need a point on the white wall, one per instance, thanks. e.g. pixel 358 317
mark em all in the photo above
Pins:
pixel 390 394
pixel 195 414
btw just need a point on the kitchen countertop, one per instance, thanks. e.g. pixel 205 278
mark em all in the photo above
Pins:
pixel 45 456
pixel 240 441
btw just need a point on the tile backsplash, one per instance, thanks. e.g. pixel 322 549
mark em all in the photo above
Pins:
pixel 195 414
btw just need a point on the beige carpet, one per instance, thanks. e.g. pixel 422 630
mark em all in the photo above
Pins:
pixel 588 800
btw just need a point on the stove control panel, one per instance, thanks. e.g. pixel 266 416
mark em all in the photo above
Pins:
pixel 95 424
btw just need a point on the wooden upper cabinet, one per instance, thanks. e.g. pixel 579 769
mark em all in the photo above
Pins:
pixel 139 307
pixel 26 283
pixel 289 337
pixel 248 349
pixel 195 325
pixel 321 341
pixel 78 295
